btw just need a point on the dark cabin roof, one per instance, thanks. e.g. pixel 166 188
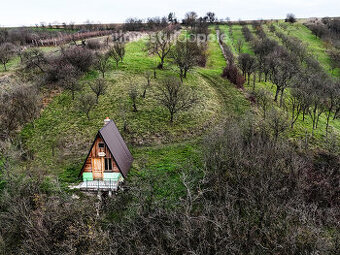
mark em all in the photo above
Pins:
pixel 117 147
pixel 114 141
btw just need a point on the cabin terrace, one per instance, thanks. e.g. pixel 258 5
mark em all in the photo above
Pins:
pixel 108 161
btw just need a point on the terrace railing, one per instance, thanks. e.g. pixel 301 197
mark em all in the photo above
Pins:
pixel 107 184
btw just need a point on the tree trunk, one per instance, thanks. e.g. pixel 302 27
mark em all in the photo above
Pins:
pixel 161 64
pixel 254 80
pixel 135 107
pixel 181 75
pixel 276 94
pixel 303 114
pixel 328 117
pixel 171 117
pixel 185 73
pixel 281 97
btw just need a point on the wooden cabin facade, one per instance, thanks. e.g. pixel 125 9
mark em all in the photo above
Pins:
pixel 109 159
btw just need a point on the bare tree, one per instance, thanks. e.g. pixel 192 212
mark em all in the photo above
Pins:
pixel 102 63
pixel 185 55
pixel 79 57
pixel 263 99
pixel 160 44
pixel 277 122
pixel 335 59
pixel 248 65
pixel 19 105
pixel 68 79
pixel 133 94
pixel 211 17
pixel 123 109
pixel 283 67
pixel 147 85
pixel 117 52
pixel 290 18
pixel 262 48
pixel 332 99
pixel 99 87
pixel 34 58
pixel 175 97
pixel 3 35
pixel 239 44
pixel 190 19
pixel 6 52
pixel 296 102
pixel 86 104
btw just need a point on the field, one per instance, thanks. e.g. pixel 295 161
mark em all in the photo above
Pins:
pixel 61 137
pixel 302 129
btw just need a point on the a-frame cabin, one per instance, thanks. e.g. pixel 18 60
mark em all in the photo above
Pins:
pixel 109 159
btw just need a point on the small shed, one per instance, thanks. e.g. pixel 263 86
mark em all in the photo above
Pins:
pixel 109 159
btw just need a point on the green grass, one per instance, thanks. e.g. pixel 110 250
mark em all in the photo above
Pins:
pixel 216 61
pixel 137 60
pixel 164 165
pixel 301 127
pixel 61 137
pixel 237 34
pixel 14 63
pixel 315 45
pixel 10 66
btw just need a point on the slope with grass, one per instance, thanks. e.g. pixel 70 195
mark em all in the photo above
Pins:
pixel 60 138
pixel 314 44
pixel 303 128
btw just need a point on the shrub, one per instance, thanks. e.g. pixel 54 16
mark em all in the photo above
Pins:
pixel 94 44
pixel 290 18
pixel 79 57
pixel 233 75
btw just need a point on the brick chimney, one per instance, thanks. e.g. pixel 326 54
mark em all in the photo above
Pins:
pixel 106 121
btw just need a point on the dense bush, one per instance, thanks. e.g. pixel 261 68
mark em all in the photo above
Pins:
pixel 78 57
pixel 18 105
pixel 94 44
pixel 254 195
pixel 248 36
pixel 232 73
pixel 290 18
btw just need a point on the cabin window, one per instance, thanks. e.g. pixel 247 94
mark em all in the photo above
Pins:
pixel 101 145
pixel 108 164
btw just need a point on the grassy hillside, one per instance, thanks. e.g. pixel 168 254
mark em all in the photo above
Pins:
pixel 316 47
pixel 61 137
pixel 314 44
pixel 215 181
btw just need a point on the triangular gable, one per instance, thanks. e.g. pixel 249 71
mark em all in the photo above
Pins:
pixel 116 146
